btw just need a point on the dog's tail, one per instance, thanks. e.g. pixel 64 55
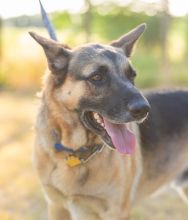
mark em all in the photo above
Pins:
pixel 47 23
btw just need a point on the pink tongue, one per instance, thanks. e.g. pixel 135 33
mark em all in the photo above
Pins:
pixel 123 139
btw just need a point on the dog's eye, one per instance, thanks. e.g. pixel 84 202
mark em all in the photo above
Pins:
pixel 96 77
pixel 99 76
pixel 131 74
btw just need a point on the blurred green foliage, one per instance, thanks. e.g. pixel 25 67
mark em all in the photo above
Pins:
pixel 106 23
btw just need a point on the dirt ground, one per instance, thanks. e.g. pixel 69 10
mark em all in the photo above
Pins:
pixel 20 193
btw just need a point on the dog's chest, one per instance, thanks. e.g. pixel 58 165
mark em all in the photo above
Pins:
pixel 93 178
pixel 94 187
pixel 106 174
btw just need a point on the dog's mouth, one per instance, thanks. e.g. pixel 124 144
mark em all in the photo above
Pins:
pixel 117 136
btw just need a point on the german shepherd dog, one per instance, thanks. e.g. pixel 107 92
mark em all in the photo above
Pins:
pixel 93 155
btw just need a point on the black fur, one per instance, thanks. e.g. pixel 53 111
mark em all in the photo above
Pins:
pixel 168 117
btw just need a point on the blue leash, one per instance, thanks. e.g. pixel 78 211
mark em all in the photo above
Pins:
pixel 47 23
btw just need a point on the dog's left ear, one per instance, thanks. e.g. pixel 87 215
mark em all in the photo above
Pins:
pixel 58 55
pixel 128 41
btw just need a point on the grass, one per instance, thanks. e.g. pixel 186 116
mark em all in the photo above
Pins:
pixel 167 206
pixel 20 191
pixel 20 194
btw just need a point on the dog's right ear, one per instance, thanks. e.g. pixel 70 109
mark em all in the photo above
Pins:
pixel 58 55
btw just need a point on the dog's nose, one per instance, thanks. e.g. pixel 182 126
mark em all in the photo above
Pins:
pixel 139 109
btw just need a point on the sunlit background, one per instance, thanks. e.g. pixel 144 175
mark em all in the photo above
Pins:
pixel 81 21
pixel 29 7
pixel 161 60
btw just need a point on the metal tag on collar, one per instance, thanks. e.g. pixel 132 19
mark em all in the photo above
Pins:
pixel 73 161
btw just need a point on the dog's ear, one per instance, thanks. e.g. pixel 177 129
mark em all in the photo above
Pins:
pixel 58 55
pixel 127 42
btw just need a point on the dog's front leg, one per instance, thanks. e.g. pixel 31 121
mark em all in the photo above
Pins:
pixel 56 201
pixel 57 212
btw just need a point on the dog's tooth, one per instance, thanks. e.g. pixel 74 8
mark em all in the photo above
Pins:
pixel 96 116
pixel 98 120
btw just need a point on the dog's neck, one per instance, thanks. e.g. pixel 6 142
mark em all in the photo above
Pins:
pixel 71 132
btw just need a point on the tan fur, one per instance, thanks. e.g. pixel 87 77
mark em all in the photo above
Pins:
pixel 69 95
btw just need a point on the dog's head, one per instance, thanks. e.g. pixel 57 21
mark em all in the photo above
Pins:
pixel 96 82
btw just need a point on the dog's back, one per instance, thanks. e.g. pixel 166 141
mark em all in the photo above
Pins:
pixel 164 138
